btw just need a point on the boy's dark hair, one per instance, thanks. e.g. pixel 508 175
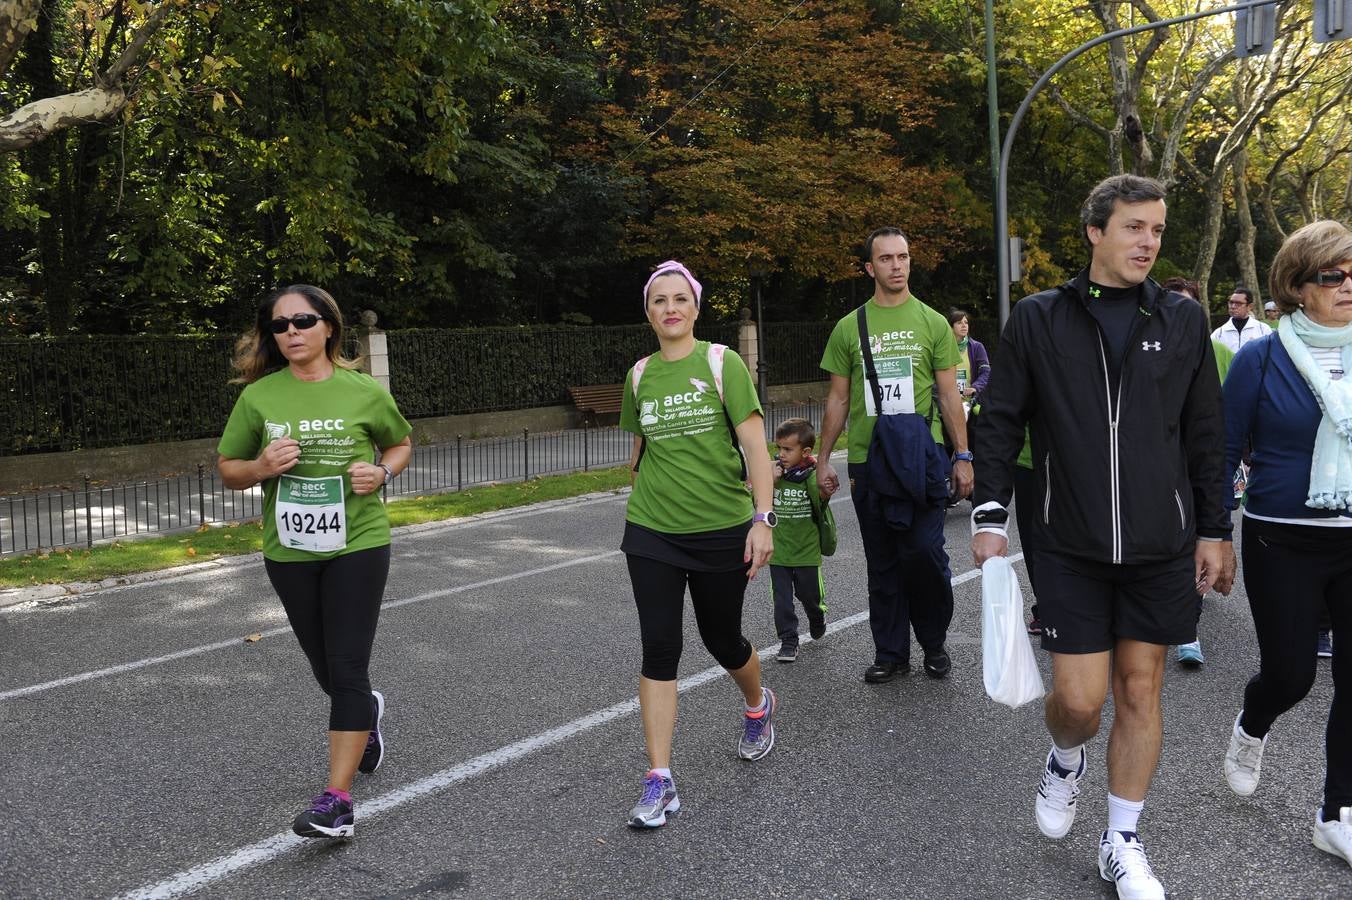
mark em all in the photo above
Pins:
pixel 801 429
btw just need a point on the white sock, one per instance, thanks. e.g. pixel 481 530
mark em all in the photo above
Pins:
pixel 1122 814
pixel 1068 759
pixel 761 708
pixel 665 773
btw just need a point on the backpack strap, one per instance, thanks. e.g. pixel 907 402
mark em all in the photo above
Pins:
pixel 716 352
pixel 638 373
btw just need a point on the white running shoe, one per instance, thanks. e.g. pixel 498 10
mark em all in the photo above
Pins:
pixel 1122 861
pixel 1244 760
pixel 1335 837
pixel 1056 797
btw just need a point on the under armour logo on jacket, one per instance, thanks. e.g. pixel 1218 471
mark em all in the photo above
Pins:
pixel 1150 345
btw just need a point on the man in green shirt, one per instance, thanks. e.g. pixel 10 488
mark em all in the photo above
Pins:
pixel 913 350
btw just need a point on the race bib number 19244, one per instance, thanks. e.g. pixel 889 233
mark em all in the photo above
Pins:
pixel 311 514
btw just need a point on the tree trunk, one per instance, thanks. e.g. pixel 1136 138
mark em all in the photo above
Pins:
pixel 1244 246
pixel 44 164
pixel 1211 233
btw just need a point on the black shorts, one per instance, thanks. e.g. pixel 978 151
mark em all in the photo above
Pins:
pixel 1087 606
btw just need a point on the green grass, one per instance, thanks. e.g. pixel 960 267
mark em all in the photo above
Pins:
pixel 213 542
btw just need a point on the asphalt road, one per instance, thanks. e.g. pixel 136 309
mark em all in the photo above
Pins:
pixel 151 751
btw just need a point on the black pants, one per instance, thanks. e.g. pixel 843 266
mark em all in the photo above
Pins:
pixel 909 582
pixel 333 605
pixel 1293 573
pixel 659 594
pixel 806 581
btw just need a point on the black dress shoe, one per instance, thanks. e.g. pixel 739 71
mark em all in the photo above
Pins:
pixel 937 663
pixel 885 671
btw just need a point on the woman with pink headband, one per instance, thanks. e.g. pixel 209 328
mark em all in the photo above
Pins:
pixel 691 522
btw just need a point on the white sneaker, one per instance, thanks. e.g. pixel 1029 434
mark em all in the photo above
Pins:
pixel 1335 837
pixel 1244 760
pixel 1056 797
pixel 1122 861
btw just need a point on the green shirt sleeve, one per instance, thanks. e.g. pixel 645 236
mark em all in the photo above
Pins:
pixel 946 353
pixel 242 435
pixel 628 415
pixel 388 425
pixel 837 358
pixel 739 391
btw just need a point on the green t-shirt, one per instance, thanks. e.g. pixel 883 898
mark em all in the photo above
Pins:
pixel 796 539
pixel 690 477
pixel 337 421
pixel 909 342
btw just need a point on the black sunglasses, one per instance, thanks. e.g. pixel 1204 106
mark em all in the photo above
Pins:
pixel 303 322
pixel 1330 277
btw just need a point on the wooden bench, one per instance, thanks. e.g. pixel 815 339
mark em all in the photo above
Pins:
pixel 595 400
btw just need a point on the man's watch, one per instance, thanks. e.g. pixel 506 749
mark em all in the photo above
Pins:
pixel 769 518
pixel 389 473
pixel 963 456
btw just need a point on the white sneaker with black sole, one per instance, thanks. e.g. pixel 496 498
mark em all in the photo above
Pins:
pixel 1056 797
pixel 1122 861
pixel 1243 760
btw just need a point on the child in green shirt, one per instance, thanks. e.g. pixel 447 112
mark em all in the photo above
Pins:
pixel 796 563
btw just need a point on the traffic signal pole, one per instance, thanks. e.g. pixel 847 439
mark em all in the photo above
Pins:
pixel 1002 180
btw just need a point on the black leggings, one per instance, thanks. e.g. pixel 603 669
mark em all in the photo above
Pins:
pixel 659 593
pixel 1292 574
pixel 333 605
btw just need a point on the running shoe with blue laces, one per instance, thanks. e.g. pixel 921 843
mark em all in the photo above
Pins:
pixel 758 732
pixel 328 815
pixel 374 754
pixel 659 798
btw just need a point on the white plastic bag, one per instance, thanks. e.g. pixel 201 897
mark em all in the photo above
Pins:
pixel 1007 662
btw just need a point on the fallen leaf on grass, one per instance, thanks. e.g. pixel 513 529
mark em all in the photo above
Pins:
pixel 203 527
pixel 192 551
pixel 253 638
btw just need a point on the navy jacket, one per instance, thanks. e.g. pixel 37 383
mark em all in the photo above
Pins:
pixel 906 468
pixel 1269 402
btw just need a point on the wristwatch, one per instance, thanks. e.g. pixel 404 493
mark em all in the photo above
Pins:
pixel 963 456
pixel 769 518
pixel 389 473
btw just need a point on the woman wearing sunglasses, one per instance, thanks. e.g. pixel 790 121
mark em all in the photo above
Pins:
pixel 307 426
pixel 1291 394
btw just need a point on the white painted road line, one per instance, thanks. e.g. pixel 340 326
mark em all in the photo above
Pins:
pixel 190 880
pixel 235 642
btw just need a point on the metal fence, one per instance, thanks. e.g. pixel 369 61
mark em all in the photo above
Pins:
pixel 94 513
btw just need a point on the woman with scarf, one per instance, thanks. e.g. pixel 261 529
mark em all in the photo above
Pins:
pixel 1289 392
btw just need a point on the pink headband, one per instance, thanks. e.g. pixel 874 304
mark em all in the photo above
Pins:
pixel 672 267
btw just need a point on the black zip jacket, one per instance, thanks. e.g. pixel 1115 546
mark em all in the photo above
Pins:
pixel 1127 477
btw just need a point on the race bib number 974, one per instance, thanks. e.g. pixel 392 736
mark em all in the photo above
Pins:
pixel 898 388
pixel 311 514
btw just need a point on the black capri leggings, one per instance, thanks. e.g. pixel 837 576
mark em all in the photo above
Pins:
pixel 1293 574
pixel 333 605
pixel 659 593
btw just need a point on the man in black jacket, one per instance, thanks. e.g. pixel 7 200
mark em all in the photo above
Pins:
pixel 1117 381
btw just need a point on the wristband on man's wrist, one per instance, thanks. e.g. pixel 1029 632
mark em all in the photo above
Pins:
pixel 389 473
pixel 963 456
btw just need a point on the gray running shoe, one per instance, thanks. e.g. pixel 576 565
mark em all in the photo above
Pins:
pixel 758 733
pixel 659 798
pixel 787 652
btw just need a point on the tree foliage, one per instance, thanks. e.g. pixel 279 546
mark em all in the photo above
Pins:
pixel 513 161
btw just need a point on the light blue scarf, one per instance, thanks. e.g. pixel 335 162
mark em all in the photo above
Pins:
pixel 1331 464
